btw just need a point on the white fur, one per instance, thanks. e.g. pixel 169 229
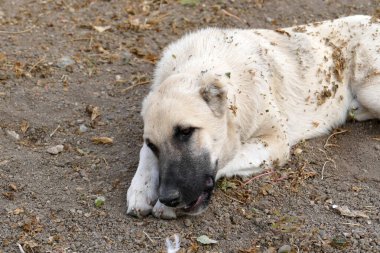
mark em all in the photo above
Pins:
pixel 142 194
pixel 286 85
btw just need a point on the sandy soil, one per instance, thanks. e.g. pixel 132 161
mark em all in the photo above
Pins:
pixel 47 202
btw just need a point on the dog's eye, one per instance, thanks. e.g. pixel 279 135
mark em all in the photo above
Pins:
pixel 184 134
pixel 152 147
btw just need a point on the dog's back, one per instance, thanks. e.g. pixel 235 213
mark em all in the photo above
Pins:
pixel 315 72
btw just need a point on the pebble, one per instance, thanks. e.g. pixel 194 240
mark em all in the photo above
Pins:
pixel 270 250
pixel 298 151
pixel 187 222
pixel 127 56
pixel 83 128
pixel 55 150
pixel 13 134
pixel 269 19
pixel 377 147
pixel 284 249
pixel 64 62
pixel 323 234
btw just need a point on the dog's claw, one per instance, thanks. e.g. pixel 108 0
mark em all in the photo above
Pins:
pixel 139 213
pixel 138 202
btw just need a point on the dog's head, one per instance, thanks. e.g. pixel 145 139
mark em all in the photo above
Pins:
pixel 185 126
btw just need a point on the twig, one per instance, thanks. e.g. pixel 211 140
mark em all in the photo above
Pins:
pixel 134 86
pixel 328 160
pixel 298 249
pixel 105 161
pixel 36 64
pixel 150 239
pixel 90 42
pixel 20 248
pixel 17 32
pixel 323 169
pixel 258 176
pixel 232 198
pixel 327 144
pixel 352 224
pixel 55 130
pixel 233 16
pixel 280 179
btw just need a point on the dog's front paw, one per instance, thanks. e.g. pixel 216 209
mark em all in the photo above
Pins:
pixel 140 201
pixel 164 212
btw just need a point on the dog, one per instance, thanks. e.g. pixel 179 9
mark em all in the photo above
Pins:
pixel 227 102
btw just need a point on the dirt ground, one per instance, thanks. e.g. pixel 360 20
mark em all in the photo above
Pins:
pixel 61 59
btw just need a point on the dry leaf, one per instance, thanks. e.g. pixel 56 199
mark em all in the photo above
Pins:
pixel 30 245
pixel 2 57
pixel 13 187
pixel 204 239
pixel 9 195
pixel 345 211
pixel 17 211
pixel 356 188
pixel 298 151
pixel 102 140
pixel 4 162
pixel 101 28
pixel 94 111
pixel 55 150
pixel 24 126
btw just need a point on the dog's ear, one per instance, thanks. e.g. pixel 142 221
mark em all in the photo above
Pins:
pixel 215 96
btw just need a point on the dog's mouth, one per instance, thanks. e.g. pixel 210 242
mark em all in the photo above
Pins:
pixel 200 204
pixel 195 205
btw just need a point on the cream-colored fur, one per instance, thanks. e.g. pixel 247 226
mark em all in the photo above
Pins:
pixel 281 87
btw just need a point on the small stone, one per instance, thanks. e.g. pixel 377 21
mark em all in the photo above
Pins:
pixel 269 19
pixel 55 150
pixel 64 62
pixel 127 56
pixel 323 234
pixel 83 128
pixel 187 222
pixel 270 250
pixel 298 151
pixel 13 134
pixel 284 249
pixel 377 147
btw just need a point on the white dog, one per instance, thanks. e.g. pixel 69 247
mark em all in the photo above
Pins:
pixel 230 102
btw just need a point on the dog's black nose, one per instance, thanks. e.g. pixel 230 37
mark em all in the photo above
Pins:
pixel 170 198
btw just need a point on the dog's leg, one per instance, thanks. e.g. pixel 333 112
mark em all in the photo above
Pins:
pixel 369 97
pixel 358 112
pixel 143 192
pixel 256 155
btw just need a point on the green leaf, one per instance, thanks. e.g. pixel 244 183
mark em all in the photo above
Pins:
pixel 204 239
pixel 225 184
pixel 189 2
pixel 228 74
pixel 99 201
